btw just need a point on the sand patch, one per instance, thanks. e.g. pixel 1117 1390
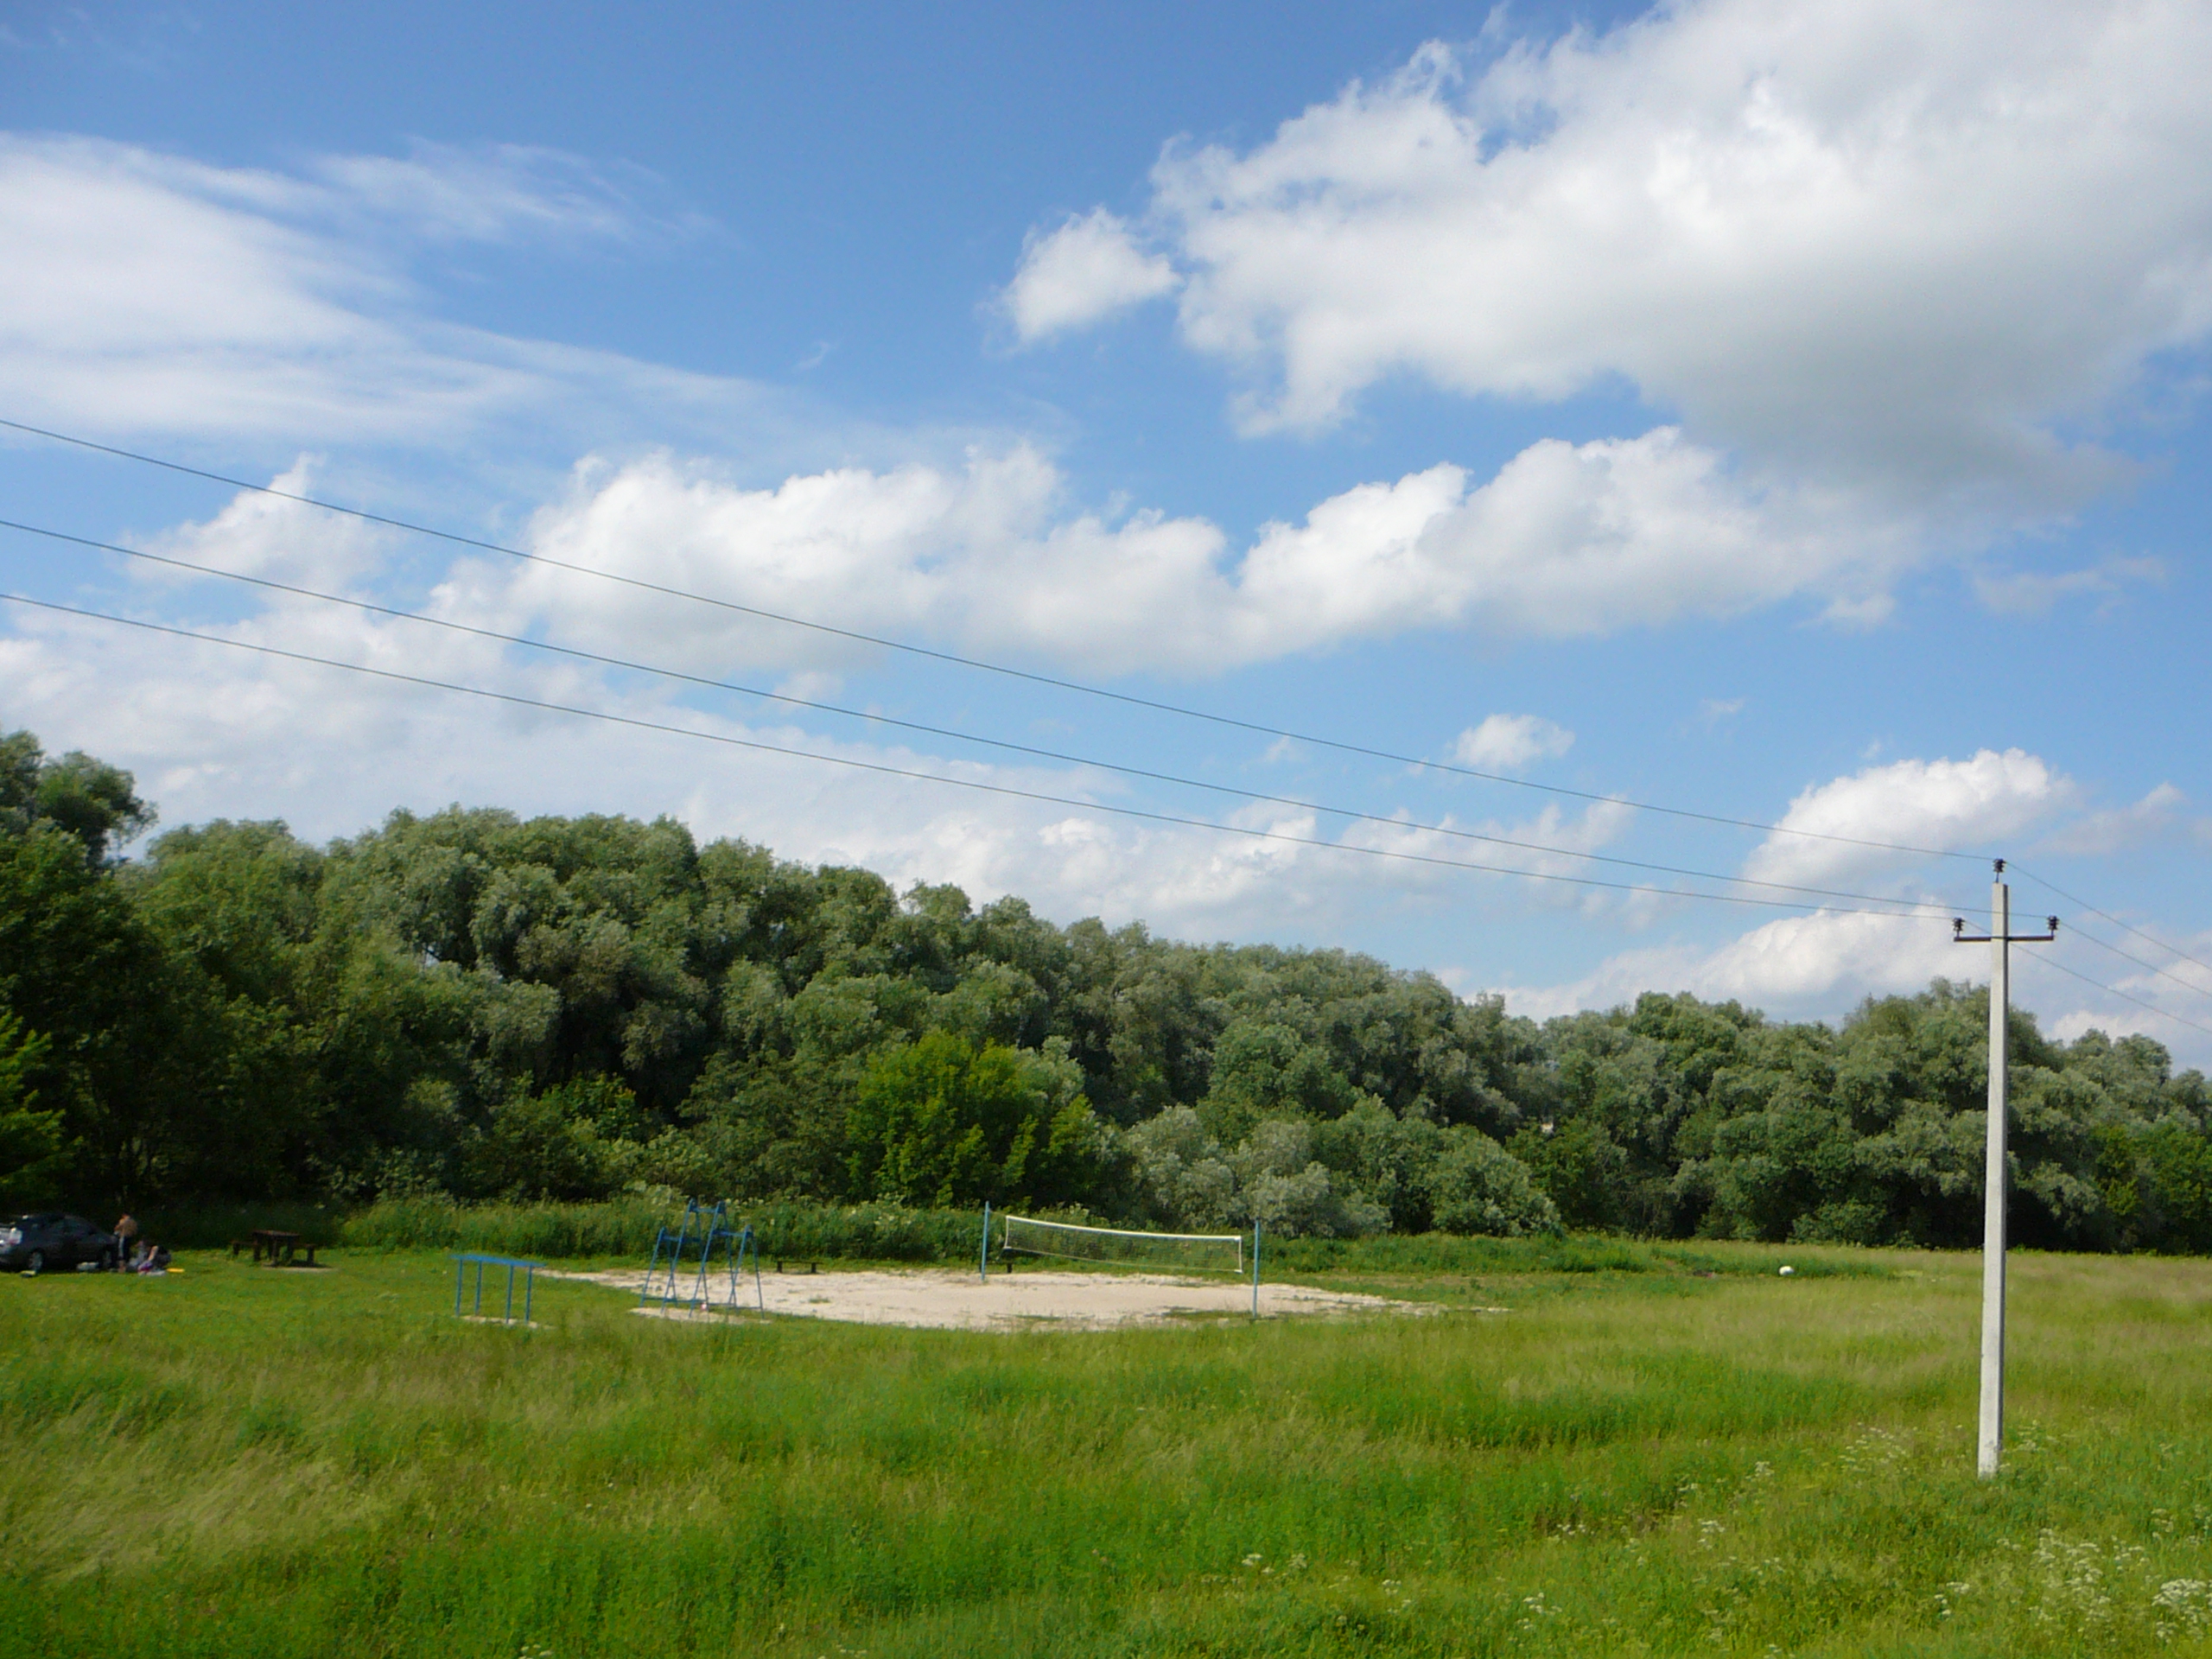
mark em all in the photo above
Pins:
pixel 949 1299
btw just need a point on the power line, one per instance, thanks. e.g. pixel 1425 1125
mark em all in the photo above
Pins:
pixel 1910 905
pixel 1127 698
pixel 2114 991
pixel 2152 967
pixel 2149 937
pixel 884 770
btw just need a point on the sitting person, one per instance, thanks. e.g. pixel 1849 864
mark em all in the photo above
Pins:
pixel 126 1230
pixel 150 1258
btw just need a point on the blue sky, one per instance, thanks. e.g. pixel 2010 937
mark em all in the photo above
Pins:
pixel 1788 414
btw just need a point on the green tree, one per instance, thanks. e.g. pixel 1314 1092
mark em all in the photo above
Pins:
pixel 1477 1186
pixel 1266 1069
pixel 577 1141
pixel 30 1140
pixel 89 799
pixel 944 1121
pixel 1579 1168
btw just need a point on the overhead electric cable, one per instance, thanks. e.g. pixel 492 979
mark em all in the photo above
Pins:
pixel 2078 932
pixel 2149 937
pixel 635 723
pixel 1906 906
pixel 2114 991
pixel 1128 698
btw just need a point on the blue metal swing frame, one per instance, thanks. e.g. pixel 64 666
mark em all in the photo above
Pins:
pixel 711 1228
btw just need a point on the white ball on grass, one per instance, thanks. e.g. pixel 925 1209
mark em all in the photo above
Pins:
pixel 1788 1270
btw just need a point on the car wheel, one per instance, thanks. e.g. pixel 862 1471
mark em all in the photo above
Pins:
pixel 37 1263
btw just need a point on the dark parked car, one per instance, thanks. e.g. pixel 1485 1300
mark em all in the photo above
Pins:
pixel 34 1244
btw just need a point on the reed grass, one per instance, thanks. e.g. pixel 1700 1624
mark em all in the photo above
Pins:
pixel 1637 1459
pixel 621 1228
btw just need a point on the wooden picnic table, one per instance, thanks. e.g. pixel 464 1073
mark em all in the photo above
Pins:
pixel 278 1248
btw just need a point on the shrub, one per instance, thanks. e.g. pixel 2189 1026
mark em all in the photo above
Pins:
pixel 1480 1187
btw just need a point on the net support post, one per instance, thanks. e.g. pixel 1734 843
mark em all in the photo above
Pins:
pixel 1255 1267
pixel 983 1262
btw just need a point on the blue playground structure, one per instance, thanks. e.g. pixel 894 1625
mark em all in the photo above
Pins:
pixel 510 1263
pixel 706 1231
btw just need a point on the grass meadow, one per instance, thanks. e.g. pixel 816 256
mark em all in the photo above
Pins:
pixel 1658 1450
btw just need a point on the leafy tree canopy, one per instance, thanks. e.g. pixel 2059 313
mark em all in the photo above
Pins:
pixel 473 1003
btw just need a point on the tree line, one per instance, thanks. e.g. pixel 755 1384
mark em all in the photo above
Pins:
pixel 473 1005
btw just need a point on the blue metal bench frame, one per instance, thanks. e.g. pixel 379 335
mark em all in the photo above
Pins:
pixel 530 1277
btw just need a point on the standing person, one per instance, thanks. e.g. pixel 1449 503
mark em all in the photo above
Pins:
pixel 125 1231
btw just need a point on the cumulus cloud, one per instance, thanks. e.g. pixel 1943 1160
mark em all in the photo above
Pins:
pixel 1566 541
pixel 265 535
pixel 1088 269
pixel 1944 805
pixel 208 727
pixel 1821 965
pixel 1868 240
pixel 1508 742
pixel 2170 1009
pixel 158 294
pixel 1821 962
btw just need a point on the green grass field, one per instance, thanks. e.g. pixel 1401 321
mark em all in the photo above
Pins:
pixel 1657 1451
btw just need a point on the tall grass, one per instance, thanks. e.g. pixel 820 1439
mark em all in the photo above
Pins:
pixel 875 1232
pixel 208 1227
pixel 239 1462
pixel 889 1232
pixel 619 1228
pixel 623 1228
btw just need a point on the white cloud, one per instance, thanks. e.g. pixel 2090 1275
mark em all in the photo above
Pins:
pixel 215 732
pixel 211 732
pixel 1823 963
pixel 2032 593
pixel 1088 269
pixel 265 535
pixel 144 292
pixel 1564 881
pixel 1978 803
pixel 497 193
pixel 2175 1014
pixel 158 294
pixel 1566 541
pixel 1508 742
pixel 2118 829
pixel 1882 243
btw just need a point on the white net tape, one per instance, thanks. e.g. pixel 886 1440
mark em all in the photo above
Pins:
pixel 1171 1252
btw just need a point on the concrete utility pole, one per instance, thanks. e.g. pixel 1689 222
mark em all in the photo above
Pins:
pixel 2000 937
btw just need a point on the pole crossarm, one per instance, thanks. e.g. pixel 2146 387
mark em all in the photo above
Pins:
pixel 1960 936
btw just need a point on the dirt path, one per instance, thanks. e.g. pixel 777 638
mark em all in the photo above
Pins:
pixel 950 1298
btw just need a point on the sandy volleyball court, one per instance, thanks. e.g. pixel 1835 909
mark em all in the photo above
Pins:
pixel 953 1300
